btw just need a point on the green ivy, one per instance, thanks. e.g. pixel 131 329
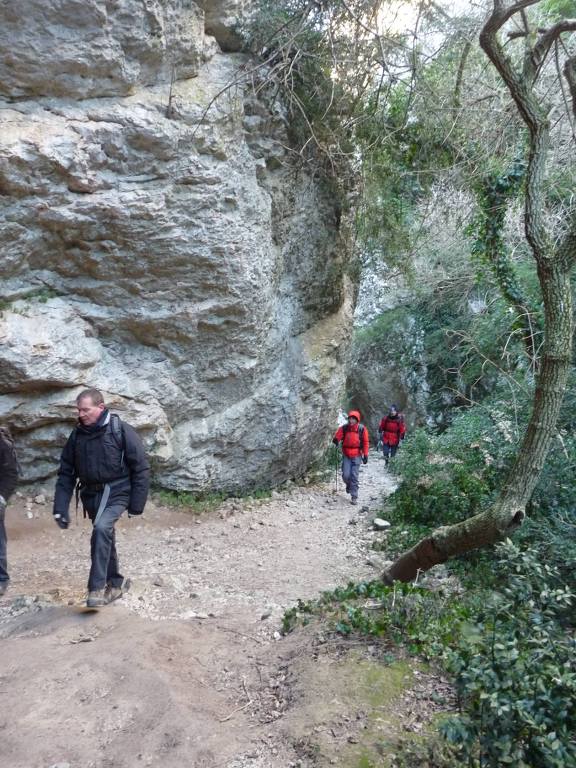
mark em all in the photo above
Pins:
pixel 515 672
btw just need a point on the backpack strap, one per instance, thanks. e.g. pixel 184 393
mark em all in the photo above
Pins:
pixel 118 433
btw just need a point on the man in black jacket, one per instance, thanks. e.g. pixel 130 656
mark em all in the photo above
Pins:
pixel 107 457
pixel 8 480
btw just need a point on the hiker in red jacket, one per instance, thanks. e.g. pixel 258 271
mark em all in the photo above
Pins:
pixel 391 430
pixel 354 438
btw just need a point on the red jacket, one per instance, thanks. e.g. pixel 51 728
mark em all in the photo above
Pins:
pixel 349 434
pixel 392 429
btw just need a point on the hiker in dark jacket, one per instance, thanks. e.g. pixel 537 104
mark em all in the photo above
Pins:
pixel 392 429
pixel 107 457
pixel 8 480
pixel 355 445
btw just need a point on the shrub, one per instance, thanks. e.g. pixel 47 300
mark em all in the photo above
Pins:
pixel 514 670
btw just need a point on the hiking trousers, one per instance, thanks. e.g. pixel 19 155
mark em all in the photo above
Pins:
pixel 389 451
pixel 3 547
pixel 105 566
pixel 351 474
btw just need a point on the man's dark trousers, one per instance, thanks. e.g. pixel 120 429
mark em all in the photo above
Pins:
pixel 105 567
pixel 3 556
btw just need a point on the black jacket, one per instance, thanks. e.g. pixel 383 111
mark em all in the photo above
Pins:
pixel 98 455
pixel 8 468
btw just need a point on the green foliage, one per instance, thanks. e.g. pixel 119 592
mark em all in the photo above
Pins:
pixel 494 193
pixel 560 9
pixel 190 502
pixel 388 327
pixel 551 525
pixel 401 156
pixel 465 353
pixel 199 503
pixel 38 295
pixel 515 672
pixel 451 476
pixel 424 621
pixel 41 295
pixel 512 662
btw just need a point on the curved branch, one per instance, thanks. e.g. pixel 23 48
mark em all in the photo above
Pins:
pixel 547 39
pixel 535 117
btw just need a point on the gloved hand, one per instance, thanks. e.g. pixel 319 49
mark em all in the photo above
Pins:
pixel 133 513
pixel 364 459
pixel 403 436
pixel 335 441
pixel 62 519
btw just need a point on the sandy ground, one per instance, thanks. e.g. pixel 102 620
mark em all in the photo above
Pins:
pixel 189 669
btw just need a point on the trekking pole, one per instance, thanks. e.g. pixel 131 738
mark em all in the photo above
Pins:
pixel 336 466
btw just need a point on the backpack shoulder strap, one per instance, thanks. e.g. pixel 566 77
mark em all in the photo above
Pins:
pixel 117 431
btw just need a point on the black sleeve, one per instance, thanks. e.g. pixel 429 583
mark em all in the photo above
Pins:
pixel 66 479
pixel 8 470
pixel 139 467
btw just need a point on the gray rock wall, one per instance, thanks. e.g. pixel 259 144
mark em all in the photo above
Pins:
pixel 156 243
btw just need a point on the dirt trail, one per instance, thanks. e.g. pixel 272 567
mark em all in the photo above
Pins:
pixel 189 668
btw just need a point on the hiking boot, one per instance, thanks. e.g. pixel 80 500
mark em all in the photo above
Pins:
pixel 96 599
pixel 113 593
pixel 3 587
pixel 354 500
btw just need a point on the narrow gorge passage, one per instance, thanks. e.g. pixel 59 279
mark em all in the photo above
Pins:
pixel 189 668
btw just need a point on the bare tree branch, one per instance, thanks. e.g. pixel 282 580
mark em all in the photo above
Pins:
pixel 547 39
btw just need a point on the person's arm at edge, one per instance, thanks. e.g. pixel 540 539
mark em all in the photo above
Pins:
pixel 64 484
pixel 9 475
pixel 139 467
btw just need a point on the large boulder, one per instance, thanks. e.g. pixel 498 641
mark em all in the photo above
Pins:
pixel 158 244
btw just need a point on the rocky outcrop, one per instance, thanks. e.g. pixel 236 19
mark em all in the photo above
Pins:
pixel 225 20
pixel 157 243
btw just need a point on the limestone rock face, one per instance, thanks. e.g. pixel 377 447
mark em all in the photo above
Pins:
pixel 224 19
pixel 157 244
pixel 85 48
